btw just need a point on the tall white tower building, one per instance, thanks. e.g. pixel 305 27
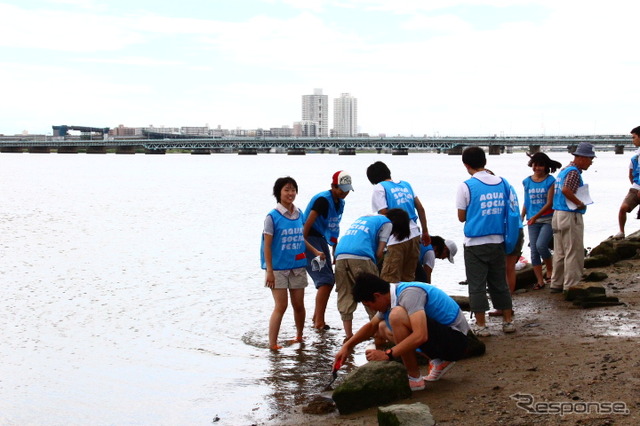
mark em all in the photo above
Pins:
pixel 345 115
pixel 316 108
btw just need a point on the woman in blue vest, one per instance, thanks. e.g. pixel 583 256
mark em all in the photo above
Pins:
pixel 321 230
pixel 283 258
pixel 538 203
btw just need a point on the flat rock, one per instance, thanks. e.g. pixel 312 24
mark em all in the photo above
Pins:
pixel 417 414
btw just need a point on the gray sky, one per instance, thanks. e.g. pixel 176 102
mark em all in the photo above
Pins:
pixel 434 67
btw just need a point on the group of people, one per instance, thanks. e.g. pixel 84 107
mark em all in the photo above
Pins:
pixel 381 260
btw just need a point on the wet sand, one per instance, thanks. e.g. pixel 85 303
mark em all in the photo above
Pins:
pixel 559 354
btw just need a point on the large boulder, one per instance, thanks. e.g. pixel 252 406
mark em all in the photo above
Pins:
pixel 373 384
pixel 626 249
pixel 417 414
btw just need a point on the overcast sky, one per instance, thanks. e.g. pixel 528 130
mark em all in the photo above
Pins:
pixel 434 67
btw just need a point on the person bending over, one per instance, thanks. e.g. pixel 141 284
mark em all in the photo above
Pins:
pixel 412 315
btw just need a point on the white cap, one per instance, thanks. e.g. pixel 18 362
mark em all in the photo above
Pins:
pixel 453 249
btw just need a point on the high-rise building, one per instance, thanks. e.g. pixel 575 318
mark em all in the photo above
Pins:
pixel 345 116
pixel 316 108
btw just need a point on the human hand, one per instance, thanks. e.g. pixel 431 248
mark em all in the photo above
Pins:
pixel 270 279
pixel 376 355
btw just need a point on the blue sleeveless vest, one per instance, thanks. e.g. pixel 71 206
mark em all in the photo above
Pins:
pixel 635 171
pixel 329 226
pixel 486 209
pixel 400 196
pixel 287 248
pixel 535 195
pixel 361 239
pixel 440 307
pixel 559 200
pixel 423 250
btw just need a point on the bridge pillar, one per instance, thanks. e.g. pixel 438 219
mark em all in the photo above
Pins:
pixel 533 149
pixel 67 150
pixel 296 151
pixel 619 149
pixel 201 151
pixel 96 150
pixel 571 148
pixel 247 151
pixel 495 149
pixel 130 149
pixel 322 150
pixel 346 151
pixel 456 150
pixel 12 149
pixel 400 151
pixel 39 150
pixel 155 151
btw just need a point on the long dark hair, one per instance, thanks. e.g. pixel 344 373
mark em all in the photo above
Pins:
pixel 400 223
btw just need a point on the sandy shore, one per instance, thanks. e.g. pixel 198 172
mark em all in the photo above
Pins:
pixel 559 354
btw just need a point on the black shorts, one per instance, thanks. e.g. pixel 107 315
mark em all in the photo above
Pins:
pixel 444 342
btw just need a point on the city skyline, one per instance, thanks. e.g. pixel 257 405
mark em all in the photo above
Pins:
pixel 460 67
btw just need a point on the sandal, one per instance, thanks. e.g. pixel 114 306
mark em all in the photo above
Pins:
pixel 539 286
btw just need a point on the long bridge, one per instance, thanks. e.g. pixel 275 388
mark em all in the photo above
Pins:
pixel 154 144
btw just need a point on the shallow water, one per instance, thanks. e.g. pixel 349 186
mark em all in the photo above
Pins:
pixel 131 284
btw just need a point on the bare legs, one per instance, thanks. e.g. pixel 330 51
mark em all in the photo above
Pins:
pixel 322 299
pixel 401 326
pixel 281 303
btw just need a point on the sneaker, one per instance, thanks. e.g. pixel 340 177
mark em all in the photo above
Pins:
pixel 619 236
pixel 482 331
pixel 437 370
pixel 416 384
pixel 508 327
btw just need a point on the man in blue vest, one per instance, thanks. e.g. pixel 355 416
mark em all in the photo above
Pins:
pixel 402 255
pixel 412 315
pixel 482 203
pixel 567 222
pixel 321 230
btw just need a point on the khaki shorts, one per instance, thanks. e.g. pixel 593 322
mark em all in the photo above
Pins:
pixel 346 272
pixel 400 261
pixel 631 200
pixel 291 279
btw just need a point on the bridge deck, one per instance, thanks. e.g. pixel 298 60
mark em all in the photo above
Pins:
pixel 266 143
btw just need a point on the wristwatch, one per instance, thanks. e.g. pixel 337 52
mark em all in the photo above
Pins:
pixel 389 353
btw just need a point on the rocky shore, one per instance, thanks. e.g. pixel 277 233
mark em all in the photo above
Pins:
pixel 564 357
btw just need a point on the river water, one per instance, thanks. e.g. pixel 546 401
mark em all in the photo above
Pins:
pixel 132 292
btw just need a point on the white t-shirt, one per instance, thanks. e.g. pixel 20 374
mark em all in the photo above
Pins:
pixel 379 202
